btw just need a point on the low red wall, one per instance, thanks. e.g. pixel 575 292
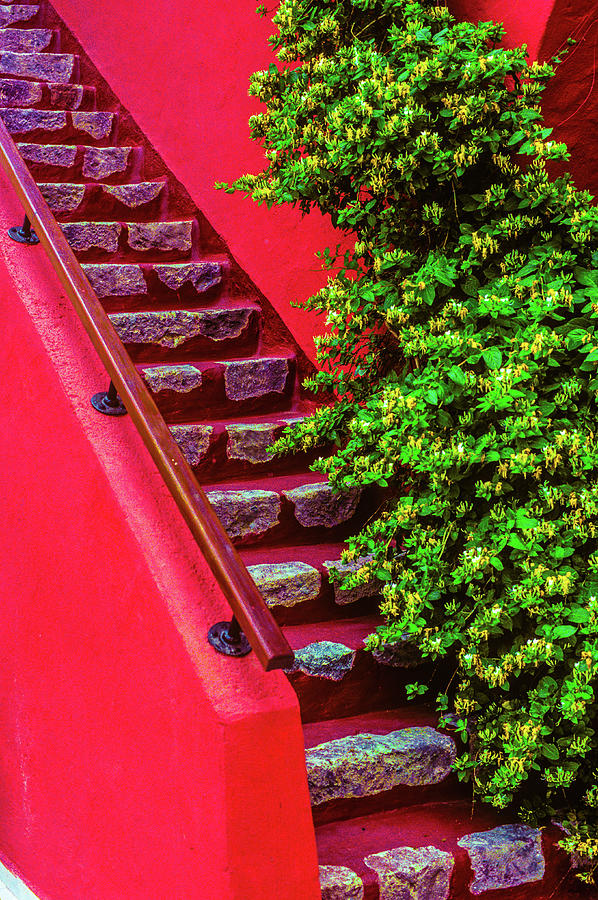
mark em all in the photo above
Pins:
pixel 135 762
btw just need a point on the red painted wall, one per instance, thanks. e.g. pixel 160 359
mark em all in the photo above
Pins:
pixel 135 762
pixel 524 22
pixel 182 69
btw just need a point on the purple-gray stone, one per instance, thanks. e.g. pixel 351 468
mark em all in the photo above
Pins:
pixel 366 764
pixel 202 276
pixel 194 441
pixel 63 197
pixel 409 873
pixel 162 236
pixel 286 584
pixel 504 857
pixel 115 280
pixel 97 124
pixel 251 442
pixel 403 654
pixel 19 93
pixel 246 513
pixel 25 40
pixel 20 121
pixel 134 195
pixel 18 12
pixel 43 66
pixel 247 378
pixel 318 506
pixel 173 327
pixel 49 154
pixel 181 379
pixel 88 235
pixel 324 659
pixel 101 162
pixel 343 597
pixel 340 883
pixel 66 96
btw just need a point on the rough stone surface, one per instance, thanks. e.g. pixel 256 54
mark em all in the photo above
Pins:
pixel 286 584
pixel 97 124
pixel 366 764
pixel 25 40
pixel 340 883
pixel 20 121
pixel 44 66
pixel 504 857
pixel 19 93
pixel 407 873
pixel 66 96
pixel 202 276
pixel 113 280
pixel 251 442
pixel 172 327
pixel 317 506
pixel 162 236
pixel 97 235
pixel 180 379
pixel 134 195
pixel 100 162
pixel 194 441
pixel 63 197
pixel 18 12
pixel 248 378
pixel 324 659
pixel 246 513
pixel 351 595
pixel 49 154
pixel 404 654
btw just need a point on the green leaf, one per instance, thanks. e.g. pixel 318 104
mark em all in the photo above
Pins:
pixel 457 375
pixel 493 358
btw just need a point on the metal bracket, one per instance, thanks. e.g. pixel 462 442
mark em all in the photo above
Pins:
pixel 23 234
pixel 109 403
pixel 227 638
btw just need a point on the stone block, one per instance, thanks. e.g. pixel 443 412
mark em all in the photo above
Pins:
pixel 63 197
pixel 113 280
pixel 340 883
pixel 101 162
pixel 246 513
pixel 160 236
pixel 180 379
pixel 93 235
pixel 324 659
pixel 42 66
pixel 49 154
pixel 248 378
pixel 351 595
pixel 194 441
pixel 19 93
pixel 25 40
pixel 318 506
pixel 286 584
pixel 97 124
pixel 201 276
pixel 173 327
pixel 409 873
pixel 504 857
pixel 366 764
pixel 66 96
pixel 17 12
pixel 21 121
pixel 250 442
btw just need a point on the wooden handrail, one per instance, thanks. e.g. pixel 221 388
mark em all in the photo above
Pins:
pixel 246 602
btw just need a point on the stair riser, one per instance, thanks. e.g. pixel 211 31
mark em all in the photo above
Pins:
pixel 211 398
pixel 32 126
pixel 65 167
pixel 37 95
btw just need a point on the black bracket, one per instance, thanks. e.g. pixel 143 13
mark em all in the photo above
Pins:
pixel 23 234
pixel 109 403
pixel 227 638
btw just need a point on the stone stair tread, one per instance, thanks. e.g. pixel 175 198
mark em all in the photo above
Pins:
pixel 442 825
pixel 28 39
pixel 17 12
pixel 377 722
pixel 172 328
pixel 123 279
pixel 95 123
pixel 17 93
pixel 65 155
pixel 58 67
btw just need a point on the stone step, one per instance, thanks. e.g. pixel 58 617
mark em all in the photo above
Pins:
pixel 259 383
pixel 55 126
pixel 335 676
pixel 17 93
pixel 253 513
pixel 17 12
pixel 366 764
pixel 171 238
pixel 26 40
pixel 84 162
pixel 134 279
pixel 92 200
pixel 441 851
pixel 59 67
pixel 159 334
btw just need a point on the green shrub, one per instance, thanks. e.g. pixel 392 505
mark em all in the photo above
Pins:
pixel 462 348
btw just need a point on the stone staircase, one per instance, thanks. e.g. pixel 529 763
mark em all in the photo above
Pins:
pixel 391 820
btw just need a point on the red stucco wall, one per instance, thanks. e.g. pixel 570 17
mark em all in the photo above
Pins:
pixel 135 762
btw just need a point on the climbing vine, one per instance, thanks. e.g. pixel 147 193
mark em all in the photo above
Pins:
pixel 461 345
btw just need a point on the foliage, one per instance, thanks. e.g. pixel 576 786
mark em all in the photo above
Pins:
pixel 462 348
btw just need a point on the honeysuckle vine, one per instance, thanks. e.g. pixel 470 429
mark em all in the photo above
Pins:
pixel 461 346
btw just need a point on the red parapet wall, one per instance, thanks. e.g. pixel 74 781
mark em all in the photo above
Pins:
pixel 135 762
